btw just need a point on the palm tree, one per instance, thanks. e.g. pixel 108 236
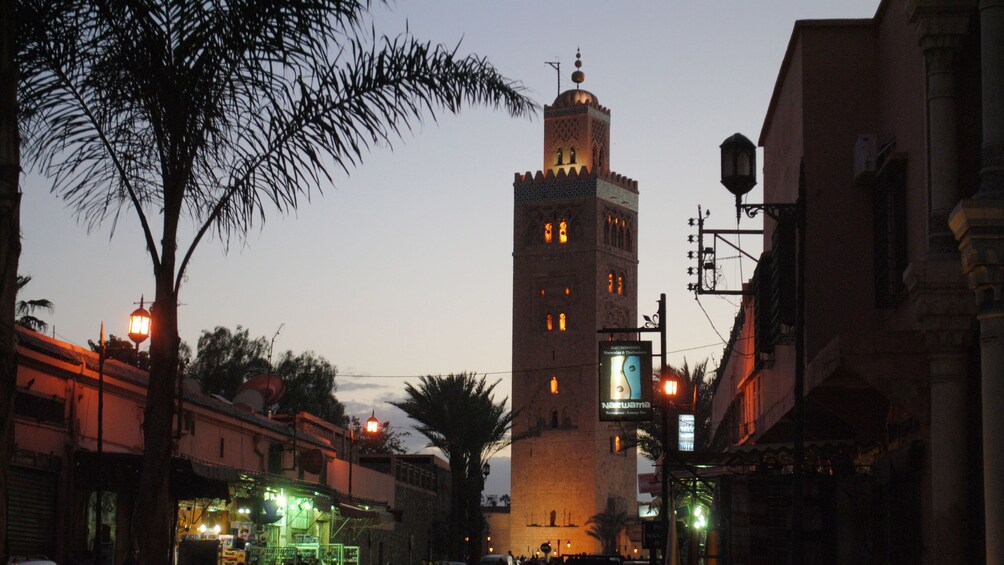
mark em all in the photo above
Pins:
pixel 459 416
pixel 10 244
pixel 25 309
pixel 608 525
pixel 210 114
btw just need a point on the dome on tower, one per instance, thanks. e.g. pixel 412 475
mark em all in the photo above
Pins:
pixel 573 97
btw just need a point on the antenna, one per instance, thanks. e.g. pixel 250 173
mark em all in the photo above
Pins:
pixel 272 344
pixel 556 65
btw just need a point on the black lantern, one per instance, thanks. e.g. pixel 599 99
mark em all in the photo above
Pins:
pixel 738 166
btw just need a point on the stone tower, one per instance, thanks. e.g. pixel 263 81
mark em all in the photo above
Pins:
pixel 575 265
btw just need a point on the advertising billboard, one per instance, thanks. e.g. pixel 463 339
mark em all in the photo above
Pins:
pixel 625 381
pixel 686 436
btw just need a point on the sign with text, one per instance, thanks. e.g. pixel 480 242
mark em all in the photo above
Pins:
pixel 686 436
pixel 625 381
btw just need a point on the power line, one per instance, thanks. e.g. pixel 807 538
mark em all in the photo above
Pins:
pixel 543 369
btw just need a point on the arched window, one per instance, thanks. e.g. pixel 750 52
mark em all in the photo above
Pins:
pixel 554 385
pixel 559 158
pixel 571 155
pixel 550 322
pixel 561 322
pixel 617 444
pixel 620 285
pixel 606 229
pixel 562 231
pixel 554 423
pixel 596 156
pixel 629 244
pixel 548 232
pixel 610 282
pixel 568 291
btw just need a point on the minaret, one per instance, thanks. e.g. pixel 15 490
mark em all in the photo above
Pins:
pixel 575 265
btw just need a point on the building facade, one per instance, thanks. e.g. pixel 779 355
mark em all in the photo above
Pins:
pixel 248 487
pixel 574 272
pixel 892 126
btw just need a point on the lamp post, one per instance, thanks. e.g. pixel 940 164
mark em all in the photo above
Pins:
pixel 655 323
pixel 670 387
pixel 139 330
pixel 739 177
pixel 371 428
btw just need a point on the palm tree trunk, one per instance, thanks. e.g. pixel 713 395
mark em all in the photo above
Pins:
pixel 10 248
pixel 475 521
pixel 457 508
pixel 155 517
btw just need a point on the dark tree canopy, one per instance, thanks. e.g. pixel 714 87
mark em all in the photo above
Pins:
pixel 225 359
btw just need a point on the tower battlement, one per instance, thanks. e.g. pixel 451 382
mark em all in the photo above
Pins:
pixel 583 172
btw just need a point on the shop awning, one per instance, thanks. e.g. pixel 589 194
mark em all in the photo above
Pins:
pixel 368 516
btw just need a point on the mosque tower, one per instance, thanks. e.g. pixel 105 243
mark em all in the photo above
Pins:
pixel 575 266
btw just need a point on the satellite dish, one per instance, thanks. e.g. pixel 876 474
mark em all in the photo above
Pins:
pixel 250 398
pixel 271 387
pixel 269 512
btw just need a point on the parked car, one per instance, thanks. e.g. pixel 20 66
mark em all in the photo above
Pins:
pixel 494 559
pixel 29 560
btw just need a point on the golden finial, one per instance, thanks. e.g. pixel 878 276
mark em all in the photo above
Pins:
pixel 578 76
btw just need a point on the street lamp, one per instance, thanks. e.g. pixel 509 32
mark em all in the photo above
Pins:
pixel 372 424
pixel 372 427
pixel 139 325
pixel 739 177
pixel 670 388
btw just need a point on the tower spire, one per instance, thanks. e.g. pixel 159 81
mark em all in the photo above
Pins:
pixel 578 76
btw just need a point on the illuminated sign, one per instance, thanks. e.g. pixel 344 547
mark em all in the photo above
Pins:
pixel 686 437
pixel 625 381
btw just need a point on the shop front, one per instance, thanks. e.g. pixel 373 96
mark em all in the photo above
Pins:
pixel 265 522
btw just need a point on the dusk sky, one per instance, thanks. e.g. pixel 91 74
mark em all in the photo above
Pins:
pixel 404 267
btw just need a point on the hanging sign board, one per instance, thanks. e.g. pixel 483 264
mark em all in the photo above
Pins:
pixel 686 438
pixel 625 381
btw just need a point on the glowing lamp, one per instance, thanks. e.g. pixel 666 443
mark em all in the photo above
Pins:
pixel 372 424
pixel 554 385
pixel 139 324
pixel 670 385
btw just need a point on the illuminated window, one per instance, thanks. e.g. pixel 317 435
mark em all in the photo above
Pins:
pixel 617 444
pixel 610 282
pixel 548 232
pixel 559 159
pixel 568 291
pixel 571 156
pixel 550 322
pixel 554 385
pixel 561 321
pixel 562 231
pixel 620 285
pixel 542 292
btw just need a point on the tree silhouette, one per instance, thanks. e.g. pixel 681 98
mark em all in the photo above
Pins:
pixel 459 416
pixel 208 114
pixel 25 309
pixel 607 526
